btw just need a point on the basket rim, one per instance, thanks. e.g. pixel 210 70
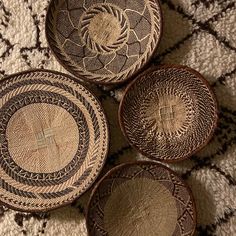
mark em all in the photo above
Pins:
pixel 169 66
pixel 75 81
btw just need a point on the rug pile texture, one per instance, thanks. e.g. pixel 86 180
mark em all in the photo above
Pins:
pixel 197 33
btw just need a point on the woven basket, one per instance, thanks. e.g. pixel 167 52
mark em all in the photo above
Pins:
pixel 143 198
pixel 53 140
pixel 168 113
pixel 104 42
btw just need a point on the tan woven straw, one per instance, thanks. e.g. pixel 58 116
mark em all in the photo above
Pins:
pixel 168 113
pixel 104 41
pixel 53 140
pixel 143 198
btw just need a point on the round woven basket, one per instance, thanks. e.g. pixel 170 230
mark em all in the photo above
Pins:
pixel 168 113
pixel 53 140
pixel 142 198
pixel 104 42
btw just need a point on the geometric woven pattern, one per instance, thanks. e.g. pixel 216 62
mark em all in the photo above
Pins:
pixel 141 199
pixel 168 113
pixel 197 33
pixel 54 140
pixel 104 42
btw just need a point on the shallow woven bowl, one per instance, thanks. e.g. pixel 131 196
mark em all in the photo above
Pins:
pixel 53 140
pixel 103 41
pixel 168 113
pixel 142 198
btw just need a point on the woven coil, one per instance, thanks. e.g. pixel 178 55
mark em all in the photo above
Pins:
pixel 169 113
pixel 103 42
pixel 139 199
pixel 54 140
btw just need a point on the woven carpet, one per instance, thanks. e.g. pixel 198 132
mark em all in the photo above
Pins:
pixel 197 33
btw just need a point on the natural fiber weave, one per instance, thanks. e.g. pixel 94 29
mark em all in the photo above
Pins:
pixel 104 42
pixel 141 199
pixel 169 113
pixel 42 138
pixel 197 33
pixel 54 140
pixel 140 207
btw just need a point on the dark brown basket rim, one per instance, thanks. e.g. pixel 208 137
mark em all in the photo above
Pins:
pixel 166 66
pixel 108 138
pixel 67 68
pixel 134 163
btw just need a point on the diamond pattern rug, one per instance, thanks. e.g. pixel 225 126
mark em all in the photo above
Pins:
pixel 197 33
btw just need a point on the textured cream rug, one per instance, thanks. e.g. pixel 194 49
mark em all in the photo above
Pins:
pixel 197 33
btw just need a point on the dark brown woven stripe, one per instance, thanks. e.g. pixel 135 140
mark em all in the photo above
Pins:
pixel 16 191
pixel 51 195
pixel 42 179
pixel 83 176
pixel 56 84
